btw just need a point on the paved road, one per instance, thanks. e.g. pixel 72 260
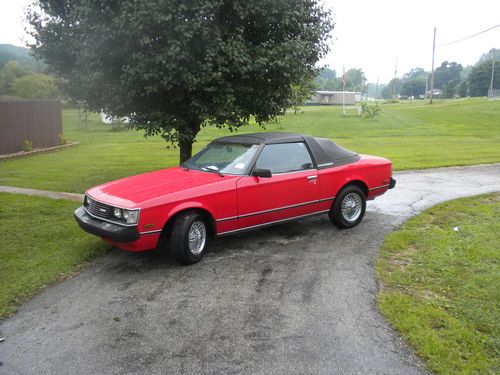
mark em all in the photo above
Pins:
pixel 299 298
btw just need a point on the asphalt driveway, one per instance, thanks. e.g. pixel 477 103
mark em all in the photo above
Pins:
pixel 299 298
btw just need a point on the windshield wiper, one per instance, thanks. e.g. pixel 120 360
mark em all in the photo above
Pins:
pixel 212 169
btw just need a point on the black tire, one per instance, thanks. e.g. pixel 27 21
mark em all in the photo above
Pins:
pixel 349 195
pixel 180 247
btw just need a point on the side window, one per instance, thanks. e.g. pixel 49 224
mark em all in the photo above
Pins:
pixel 285 157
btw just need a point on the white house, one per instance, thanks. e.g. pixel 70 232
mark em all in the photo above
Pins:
pixel 335 98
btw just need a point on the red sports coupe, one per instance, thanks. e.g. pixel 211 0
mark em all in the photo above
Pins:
pixel 236 183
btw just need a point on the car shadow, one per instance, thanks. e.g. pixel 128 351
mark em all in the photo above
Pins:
pixel 261 241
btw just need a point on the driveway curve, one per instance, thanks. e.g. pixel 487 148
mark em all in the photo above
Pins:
pixel 299 298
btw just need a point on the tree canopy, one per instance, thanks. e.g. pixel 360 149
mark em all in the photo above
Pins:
pixel 449 74
pixel 414 82
pixel 480 78
pixel 34 86
pixel 173 66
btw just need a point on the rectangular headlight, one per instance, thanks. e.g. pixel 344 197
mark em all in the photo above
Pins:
pixel 130 216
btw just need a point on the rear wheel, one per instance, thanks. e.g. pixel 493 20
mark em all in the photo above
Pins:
pixel 349 207
pixel 189 237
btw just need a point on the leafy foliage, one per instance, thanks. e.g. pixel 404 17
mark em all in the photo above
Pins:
pixel 173 67
pixel 480 77
pixel 395 85
pixel 34 86
pixel 327 80
pixel 27 145
pixel 355 80
pixel 414 82
pixel 9 73
pixel 370 110
pixel 463 90
pixel 300 94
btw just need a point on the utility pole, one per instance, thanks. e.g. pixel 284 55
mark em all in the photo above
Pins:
pixel 376 90
pixel 432 76
pixel 492 72
pixel 394 81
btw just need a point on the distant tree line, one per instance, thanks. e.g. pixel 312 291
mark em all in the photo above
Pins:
pixel 450 78
pixel 354 78
pixel 19 81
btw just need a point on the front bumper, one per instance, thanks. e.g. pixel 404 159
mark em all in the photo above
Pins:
pixel 115 232
pixel 392 183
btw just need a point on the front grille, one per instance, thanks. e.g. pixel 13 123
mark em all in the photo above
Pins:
pixel 99 209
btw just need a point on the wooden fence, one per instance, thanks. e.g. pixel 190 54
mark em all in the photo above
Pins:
pixel 37 121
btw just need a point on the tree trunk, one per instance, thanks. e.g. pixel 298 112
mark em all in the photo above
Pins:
pixel 186 149
pixel 186 139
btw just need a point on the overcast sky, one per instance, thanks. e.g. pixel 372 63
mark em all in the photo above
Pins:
pixel 372 34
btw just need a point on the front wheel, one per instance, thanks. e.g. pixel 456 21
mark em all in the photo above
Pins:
pixel 188 239
pixel 349 207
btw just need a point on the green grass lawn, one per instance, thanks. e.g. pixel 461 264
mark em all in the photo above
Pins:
pixel 41 243
pixel 413 135
pixel 441 288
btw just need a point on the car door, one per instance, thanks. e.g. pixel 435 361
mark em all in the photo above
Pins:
pixel 292 190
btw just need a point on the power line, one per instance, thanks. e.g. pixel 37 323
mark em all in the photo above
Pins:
pixel 469 37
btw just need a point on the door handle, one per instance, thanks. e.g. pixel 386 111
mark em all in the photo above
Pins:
pixel 312 178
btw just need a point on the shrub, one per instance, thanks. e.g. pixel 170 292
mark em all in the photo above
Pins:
pixel 27 146
pixel 63 139
pixel 370 110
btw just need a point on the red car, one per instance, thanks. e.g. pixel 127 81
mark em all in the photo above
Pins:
pixel 235 184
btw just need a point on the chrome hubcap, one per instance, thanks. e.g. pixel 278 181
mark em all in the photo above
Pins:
pixel 351 206
pixel 197 237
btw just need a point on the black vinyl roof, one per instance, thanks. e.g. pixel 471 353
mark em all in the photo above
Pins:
pixel 266 138
pixel 325 152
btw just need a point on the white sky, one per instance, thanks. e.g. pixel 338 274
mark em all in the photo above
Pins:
pixel 372 34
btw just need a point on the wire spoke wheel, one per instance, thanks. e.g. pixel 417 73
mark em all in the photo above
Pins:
pixel 352 205
pixel 197 237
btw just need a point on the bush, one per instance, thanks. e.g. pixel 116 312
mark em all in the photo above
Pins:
pixel 370 110
pixel 63 139
pixel 27 146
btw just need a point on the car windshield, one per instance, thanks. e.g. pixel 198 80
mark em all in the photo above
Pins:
pixel 223 157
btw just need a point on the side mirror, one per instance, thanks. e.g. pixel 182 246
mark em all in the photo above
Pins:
pixel 266 173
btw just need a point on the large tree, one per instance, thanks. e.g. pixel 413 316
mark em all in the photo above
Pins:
pixel 8 74
pixel 175 66
pixel 414 82
pixel 446 73
pixel 355 80
pixel 479 79
pixel 327 80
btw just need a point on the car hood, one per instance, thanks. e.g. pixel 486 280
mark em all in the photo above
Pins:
pixel 132 192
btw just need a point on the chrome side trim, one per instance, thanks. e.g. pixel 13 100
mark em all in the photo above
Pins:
pixel 226 219
pixel 325 164
pixel 273 210
pixel 379 187
pixel 326 199
pixel 150 232
pixel 107 220
pixel 271 223
pixel 277 209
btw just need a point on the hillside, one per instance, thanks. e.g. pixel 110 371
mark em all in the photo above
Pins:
pixel 9 52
